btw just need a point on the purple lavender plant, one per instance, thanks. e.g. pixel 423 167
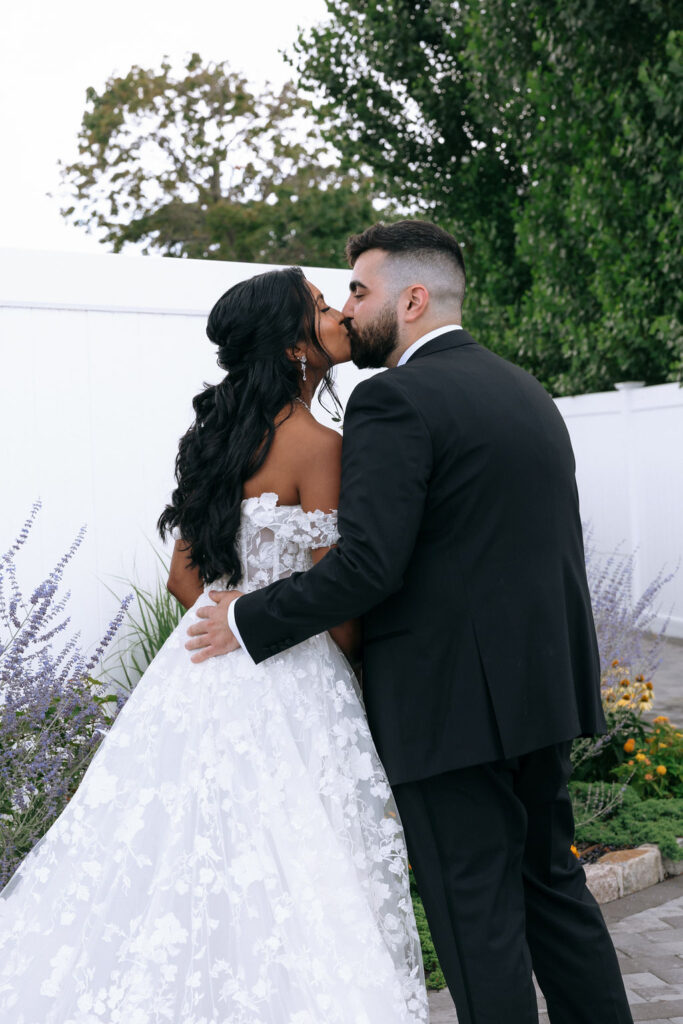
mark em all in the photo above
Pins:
pixel 53 714
pixel 623 620
pixel 628 648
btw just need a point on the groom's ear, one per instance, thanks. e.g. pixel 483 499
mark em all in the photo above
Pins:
pixel 415 300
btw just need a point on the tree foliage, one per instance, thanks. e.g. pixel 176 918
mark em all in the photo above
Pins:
pixel 201 166
pixel 546 135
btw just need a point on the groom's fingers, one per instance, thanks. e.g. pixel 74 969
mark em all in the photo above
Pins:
pixel 211 650
pixel 207 653
pixel 202 641
pixel 198 630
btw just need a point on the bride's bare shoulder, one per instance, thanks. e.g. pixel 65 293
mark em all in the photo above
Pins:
pixel 303 463
pixel 313 454
pixel 305 438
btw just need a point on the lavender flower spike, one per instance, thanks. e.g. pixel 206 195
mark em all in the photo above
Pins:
pixel 52 713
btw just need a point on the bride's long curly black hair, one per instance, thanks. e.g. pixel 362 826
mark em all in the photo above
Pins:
pixel 253 324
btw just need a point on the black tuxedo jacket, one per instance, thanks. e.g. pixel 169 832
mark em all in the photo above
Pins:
pixel 461 548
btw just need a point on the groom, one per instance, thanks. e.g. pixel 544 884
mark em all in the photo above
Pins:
pixel 461 548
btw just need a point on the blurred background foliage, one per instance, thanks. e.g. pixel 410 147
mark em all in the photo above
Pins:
pixel 545 135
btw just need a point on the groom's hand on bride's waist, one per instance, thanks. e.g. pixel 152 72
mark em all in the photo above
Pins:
pixel 212 634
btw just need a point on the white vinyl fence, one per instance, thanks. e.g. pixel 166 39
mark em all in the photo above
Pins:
pixel 100 356
pixel 629 468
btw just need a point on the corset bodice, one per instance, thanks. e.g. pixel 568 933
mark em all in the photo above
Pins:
pixel 274 540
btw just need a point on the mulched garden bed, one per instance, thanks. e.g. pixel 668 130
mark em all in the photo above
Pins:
pixel 589 853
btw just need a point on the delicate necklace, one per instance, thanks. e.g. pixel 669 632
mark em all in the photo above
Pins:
pixel 305 404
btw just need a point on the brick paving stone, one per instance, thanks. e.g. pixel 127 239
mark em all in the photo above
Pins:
pixel 441 1009
pixel 655 1011
pixel 650 988
pixel 666 968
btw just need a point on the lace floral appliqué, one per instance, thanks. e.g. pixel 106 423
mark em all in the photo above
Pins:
pixel 233 854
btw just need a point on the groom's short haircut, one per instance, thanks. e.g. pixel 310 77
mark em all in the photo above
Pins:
pixel 419 252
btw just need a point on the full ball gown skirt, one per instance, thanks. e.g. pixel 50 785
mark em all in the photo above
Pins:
pixel 232 855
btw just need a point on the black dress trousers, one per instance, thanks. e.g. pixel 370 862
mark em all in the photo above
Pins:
pixel 503 893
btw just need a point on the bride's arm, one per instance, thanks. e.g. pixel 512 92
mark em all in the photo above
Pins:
pixel 347 634
pixel 184 582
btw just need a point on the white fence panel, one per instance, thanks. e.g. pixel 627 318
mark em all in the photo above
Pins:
pixel 99 359
pixel 629 467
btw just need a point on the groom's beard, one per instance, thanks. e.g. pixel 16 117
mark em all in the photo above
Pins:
pixel 372 344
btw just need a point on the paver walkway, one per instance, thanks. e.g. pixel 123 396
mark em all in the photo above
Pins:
pixel 647 930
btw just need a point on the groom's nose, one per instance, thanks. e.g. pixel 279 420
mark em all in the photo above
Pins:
pixel 346 311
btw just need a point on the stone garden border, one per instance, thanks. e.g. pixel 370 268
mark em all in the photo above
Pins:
pixel 624 872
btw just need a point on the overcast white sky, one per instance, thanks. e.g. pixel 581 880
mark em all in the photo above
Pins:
pixel 51 52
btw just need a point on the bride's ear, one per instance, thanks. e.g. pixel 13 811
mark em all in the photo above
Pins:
pixel 296 352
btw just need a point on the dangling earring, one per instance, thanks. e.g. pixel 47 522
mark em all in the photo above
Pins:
pixel 302 360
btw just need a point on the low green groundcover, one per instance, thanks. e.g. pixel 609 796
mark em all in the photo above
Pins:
pixel 634 822
pixel 433 972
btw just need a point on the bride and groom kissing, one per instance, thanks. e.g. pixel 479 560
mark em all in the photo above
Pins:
pixel 249 863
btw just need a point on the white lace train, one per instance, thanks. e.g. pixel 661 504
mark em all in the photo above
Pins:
pixel 232 855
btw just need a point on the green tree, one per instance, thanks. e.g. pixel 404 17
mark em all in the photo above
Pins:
pixel 546 135
pixel 201 166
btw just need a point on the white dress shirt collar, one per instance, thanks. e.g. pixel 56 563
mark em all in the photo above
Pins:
pixel 412 349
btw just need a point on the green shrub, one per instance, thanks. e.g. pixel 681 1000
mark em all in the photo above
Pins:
pixel 595 800
pixel 433 973
pixel 634 822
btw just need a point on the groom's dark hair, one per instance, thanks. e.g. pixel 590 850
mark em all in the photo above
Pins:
pixel 414 240
pixel 404 236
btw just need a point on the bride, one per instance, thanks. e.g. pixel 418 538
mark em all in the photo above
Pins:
pixel 233 854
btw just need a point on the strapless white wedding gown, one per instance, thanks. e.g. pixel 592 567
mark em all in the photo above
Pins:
pixel 233 854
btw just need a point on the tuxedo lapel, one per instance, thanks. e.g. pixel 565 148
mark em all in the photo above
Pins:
pixel 454 339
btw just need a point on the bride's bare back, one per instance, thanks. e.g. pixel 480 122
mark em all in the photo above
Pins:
pixel 303 466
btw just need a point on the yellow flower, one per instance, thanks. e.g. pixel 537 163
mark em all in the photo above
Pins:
pixel 641 757
pixel 661 769
pixel 649 686
pixel 660 718
pixel 574 850
pixel 640 679
pixel 624 682
pixel 630 745
pixel 649 777
pixel 615 663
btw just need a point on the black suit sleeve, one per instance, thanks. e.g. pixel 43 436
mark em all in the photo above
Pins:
pixel 386 465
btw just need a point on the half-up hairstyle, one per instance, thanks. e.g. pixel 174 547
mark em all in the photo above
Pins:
pixel 253 325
